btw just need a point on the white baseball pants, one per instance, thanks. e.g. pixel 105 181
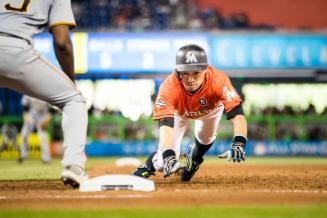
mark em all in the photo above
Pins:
pixel 205 131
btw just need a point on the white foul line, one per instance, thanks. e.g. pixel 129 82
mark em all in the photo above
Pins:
pixel 138 196
pixel 314 191
pixel 128 196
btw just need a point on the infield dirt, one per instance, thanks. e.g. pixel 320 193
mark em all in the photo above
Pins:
pixel 213 185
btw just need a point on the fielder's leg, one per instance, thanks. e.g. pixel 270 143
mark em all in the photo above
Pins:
pixel 32 75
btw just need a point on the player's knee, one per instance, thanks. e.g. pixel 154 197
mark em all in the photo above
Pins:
pixel 79 98
pixel 206 140
pixel 74 99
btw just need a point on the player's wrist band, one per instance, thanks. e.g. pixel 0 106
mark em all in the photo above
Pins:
pixel 166 121
pixel 168 153
pixel 240 139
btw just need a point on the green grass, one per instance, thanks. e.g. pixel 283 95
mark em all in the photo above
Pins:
pixel 29 170
pixel 203 212
pixel 33 169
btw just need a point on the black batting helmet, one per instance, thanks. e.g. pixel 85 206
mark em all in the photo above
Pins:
pixel 191 58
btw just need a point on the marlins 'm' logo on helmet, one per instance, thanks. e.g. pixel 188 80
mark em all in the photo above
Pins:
pixel 190 57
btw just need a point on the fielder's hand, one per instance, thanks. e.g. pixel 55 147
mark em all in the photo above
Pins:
pixel 237 150
pixel 170 163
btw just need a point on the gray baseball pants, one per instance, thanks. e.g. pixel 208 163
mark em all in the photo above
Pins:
pixel 23 69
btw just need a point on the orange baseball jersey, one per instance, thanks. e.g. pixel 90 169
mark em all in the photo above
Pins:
pixel 217 90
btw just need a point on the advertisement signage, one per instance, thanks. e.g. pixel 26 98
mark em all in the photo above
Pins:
pixel 155 52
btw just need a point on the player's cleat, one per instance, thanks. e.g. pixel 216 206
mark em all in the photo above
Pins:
pixel 191 166
pixel 73 176
pixel 143 171
pixel 20 160
pixel 46 162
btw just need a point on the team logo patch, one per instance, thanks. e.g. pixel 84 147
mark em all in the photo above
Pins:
pixel 229 93
pixel 203 101
pixel 190 57
pixel 160 103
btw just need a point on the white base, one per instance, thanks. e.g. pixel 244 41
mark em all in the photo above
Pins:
pixel 117 182
pixel 128 161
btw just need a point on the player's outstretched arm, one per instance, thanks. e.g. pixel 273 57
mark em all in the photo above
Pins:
pixel 237 150
pixel 171 165
pixel 64 49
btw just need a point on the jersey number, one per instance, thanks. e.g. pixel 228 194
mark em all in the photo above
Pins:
pixel 23 8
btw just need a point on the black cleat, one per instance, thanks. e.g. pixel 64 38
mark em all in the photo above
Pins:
pixel 143 171
pixel 20 160
pixel 73 176
pixel 71 182
pixel 191 166
pixel 46 162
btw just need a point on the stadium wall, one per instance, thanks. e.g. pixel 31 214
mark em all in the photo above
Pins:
pixel 280 13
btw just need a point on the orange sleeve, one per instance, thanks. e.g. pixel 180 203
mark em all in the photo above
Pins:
pixel 164 105
pixel 228 95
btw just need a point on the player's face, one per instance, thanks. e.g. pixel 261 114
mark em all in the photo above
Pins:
pixel 192 81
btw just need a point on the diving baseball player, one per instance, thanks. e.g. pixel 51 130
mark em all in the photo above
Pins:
pixel 36 115
pixel 23 69
pixel 195 90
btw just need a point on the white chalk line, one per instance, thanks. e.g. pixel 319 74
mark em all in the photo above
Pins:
pixel 138 196
pixel 77 197
pixel 314 191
